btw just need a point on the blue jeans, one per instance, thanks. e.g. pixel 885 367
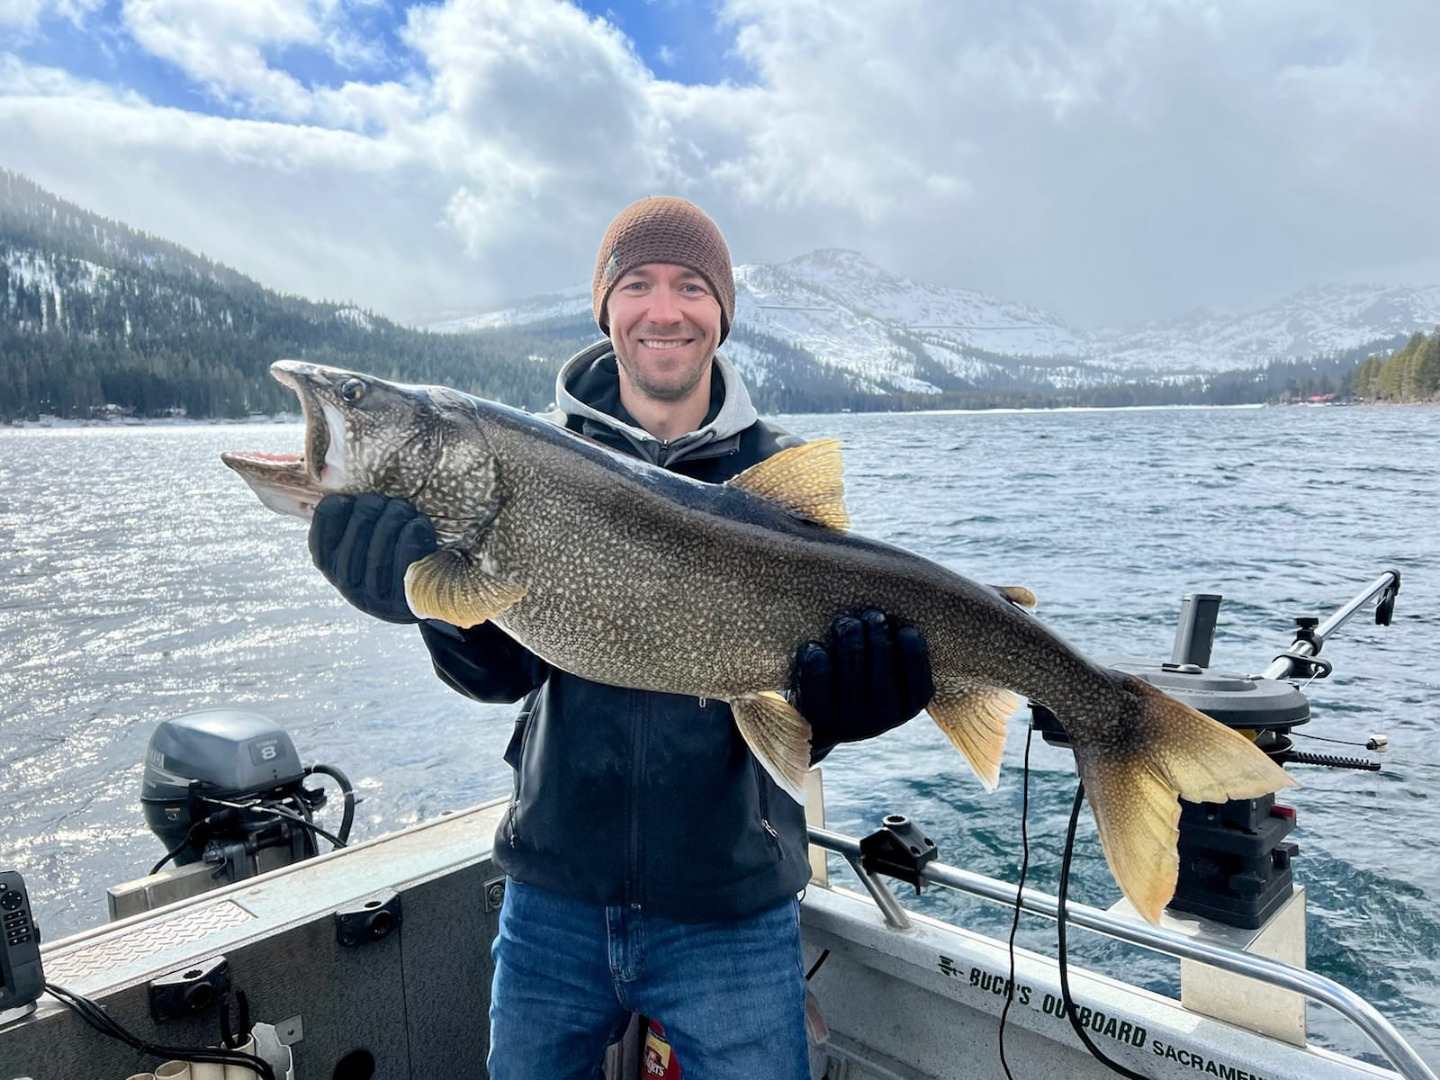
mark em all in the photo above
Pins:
pixel 730 995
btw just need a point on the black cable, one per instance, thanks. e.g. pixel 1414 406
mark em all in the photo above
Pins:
pixel 190 832
pixel 1024 870
pixel 95 1015
pixel 346 788
pixel 287 814
pixel 824 955
pixel 1337 742
pixel 305 822
pixel 1070 1010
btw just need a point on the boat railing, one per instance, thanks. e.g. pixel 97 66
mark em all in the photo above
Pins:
pixel 1353 1007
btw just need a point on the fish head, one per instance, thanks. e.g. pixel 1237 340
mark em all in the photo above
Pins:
pixel 362 434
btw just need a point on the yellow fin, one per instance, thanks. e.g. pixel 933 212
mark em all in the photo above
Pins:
pixel 973 719
pixel 1018 595
pixel 1171 751
pixel 450 586
pixel 1202 759
pixel 1138 818
pixel 779 738
pixel 807 480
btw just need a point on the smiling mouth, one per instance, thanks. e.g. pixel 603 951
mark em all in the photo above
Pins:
pixel 664 344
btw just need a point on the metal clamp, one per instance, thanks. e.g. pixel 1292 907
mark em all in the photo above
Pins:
pixel 1306 667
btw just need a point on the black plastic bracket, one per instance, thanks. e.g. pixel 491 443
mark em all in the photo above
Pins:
pixel 1385 606
pixel 373 919
pixel 1307 667
pixel 1305 631
pixel 899 850
pixel 192 991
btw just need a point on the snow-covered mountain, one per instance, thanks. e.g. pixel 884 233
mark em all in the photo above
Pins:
pixel 1317 321
pixel 886 333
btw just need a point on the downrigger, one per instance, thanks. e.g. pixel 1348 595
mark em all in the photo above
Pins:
pixel 1235 858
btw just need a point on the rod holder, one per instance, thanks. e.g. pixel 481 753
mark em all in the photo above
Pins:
pixel 1195 636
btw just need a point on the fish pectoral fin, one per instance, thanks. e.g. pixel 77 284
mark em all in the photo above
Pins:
pixel 806 480
pixel 1018 595
pixel 1172 751
pixel 450 586
pixel 778 736
pixel 973 719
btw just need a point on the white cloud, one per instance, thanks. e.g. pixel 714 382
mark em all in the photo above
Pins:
pixel 25 15
pixel 226 47
pixel 20 13
pixel 1108 159
pixel 21 81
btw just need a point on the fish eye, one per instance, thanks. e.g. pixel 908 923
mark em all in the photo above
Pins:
pixel 352 390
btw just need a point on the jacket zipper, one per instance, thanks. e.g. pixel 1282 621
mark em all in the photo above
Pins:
pixel 639 713
pixel 770 832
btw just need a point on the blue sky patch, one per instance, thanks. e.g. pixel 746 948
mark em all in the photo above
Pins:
pixel 101 49
pixel 679 40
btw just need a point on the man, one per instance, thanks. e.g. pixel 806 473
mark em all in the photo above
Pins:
pixel 653 865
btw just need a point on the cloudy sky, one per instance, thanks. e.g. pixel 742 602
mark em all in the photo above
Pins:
pixel 1111 160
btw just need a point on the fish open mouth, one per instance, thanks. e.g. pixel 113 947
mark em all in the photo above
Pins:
pixel 289 483
pixel 317 430
pixel 282 481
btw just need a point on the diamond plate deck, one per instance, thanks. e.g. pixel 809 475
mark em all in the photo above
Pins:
pixel 140 942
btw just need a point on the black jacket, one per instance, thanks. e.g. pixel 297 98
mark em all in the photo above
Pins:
pixel 627 796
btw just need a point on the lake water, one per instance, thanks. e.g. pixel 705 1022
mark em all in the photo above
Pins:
pixel 140 579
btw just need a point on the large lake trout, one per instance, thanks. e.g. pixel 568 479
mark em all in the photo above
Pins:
pixel 626 574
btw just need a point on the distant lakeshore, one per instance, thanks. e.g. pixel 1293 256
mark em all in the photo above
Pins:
pixel 56 423
pixel 62 423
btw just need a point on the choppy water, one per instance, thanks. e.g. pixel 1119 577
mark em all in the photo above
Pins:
pixel 140 579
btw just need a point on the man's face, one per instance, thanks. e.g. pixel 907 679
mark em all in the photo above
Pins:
pixel 665 326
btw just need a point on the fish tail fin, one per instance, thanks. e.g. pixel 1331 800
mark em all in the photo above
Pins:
pixel 973 719
pixel 1173 751
pixel 778 736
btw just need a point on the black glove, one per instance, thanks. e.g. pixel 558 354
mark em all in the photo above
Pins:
pixel 871 676
pixel 363 544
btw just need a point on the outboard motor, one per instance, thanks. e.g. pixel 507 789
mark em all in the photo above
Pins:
pixel 222 786
pixel 1235 860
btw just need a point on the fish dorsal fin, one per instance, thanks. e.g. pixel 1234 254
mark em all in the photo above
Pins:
pixel 807 480
pixel 1018 595
pixel 450 586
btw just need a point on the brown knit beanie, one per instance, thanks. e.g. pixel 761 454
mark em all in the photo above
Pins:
pixel 664 229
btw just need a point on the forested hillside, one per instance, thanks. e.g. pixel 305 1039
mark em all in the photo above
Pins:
pixel 93 312
pixel 96 316
pixel 1411 373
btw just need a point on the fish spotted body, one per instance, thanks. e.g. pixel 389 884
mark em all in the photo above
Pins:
pixel 626 574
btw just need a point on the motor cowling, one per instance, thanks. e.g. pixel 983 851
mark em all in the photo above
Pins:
pixel 214 754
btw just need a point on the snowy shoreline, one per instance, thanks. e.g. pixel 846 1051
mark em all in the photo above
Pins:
pixel 46 423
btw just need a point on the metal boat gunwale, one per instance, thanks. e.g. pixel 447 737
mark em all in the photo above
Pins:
pixel 454 851
pixel 1160 939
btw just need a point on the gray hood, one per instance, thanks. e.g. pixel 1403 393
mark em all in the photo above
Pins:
pixel 589 376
